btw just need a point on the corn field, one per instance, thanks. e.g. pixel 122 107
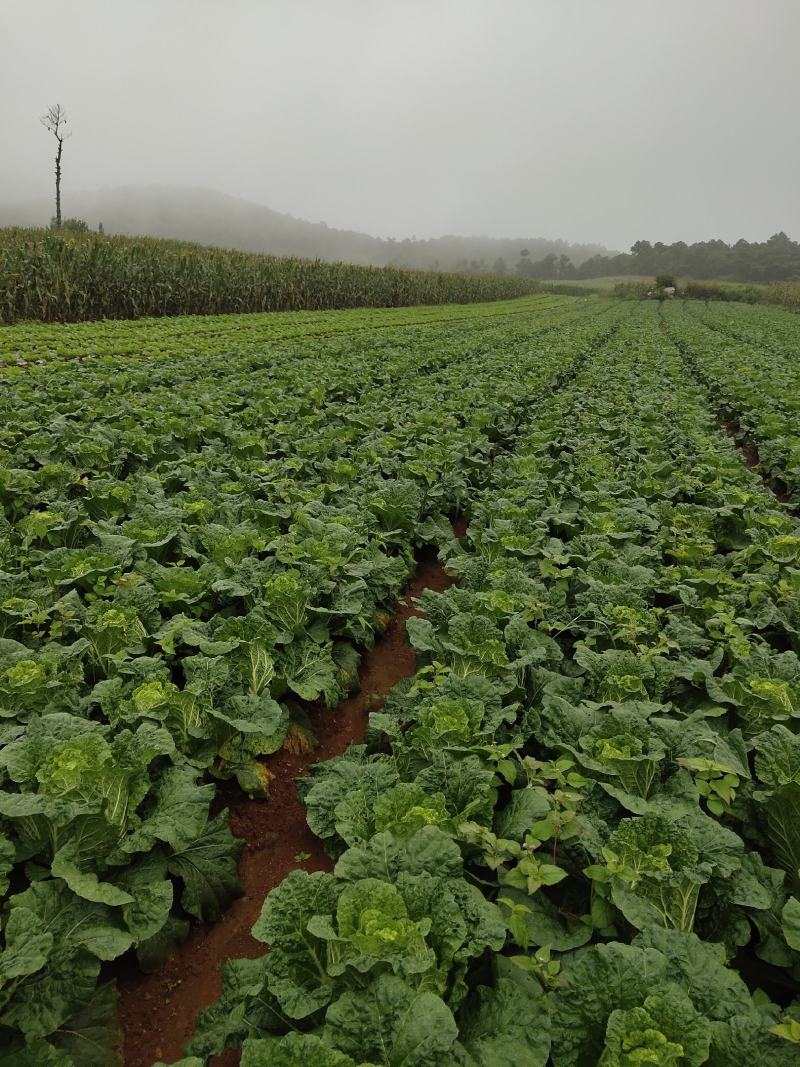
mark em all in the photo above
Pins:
pixel 786 294
pixel 58 277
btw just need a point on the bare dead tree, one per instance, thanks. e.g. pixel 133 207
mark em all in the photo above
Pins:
pixel 54 121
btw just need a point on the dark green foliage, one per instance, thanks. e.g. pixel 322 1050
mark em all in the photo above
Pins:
pixel 774 260
pixel 601 737
pixel 188 551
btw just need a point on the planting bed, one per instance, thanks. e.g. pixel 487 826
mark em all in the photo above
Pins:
pixel 558 823
pixel 277 841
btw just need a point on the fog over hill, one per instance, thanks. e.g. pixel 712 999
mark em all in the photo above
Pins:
pixel 210 217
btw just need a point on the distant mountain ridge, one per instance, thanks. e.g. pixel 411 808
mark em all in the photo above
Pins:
pixel 214 218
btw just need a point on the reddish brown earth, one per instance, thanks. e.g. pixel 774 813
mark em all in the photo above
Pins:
pixel 750 453
pixel 753 460
pixel 158 1011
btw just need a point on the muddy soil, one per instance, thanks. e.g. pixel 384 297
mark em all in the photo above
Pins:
pixel 158 1011
pixel 752 459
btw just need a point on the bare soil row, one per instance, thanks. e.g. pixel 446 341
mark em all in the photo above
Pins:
pixel 158 1011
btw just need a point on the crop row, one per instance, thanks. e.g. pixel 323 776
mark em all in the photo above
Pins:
pixel 191 555
pixel 751 365
pixel 768 327
pixel 237 335
pixel 61 277
pixel 573 837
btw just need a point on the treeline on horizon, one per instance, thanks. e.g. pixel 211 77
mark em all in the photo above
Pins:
pixel 73 275
pixel 774 260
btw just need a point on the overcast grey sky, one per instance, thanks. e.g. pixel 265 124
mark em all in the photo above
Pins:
pixel 592 120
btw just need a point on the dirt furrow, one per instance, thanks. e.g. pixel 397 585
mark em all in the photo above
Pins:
pixel 752 459
pixel 158 1011
pixel 729 422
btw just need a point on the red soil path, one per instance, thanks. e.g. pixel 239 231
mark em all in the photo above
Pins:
pixel 158 1011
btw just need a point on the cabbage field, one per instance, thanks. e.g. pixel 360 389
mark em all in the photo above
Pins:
pixel 570 837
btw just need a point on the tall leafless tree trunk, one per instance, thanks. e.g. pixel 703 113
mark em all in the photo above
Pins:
pixel 55 120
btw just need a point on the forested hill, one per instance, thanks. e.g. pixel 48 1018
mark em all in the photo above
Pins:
pixel 213 218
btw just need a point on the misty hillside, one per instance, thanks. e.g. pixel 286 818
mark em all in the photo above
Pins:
pixel 214 218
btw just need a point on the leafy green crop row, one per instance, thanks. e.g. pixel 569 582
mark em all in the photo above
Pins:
pixel 768 327
pixel 750 361
pixel 59 277
pixel 573 838
pixel 236 334
pixel 192 552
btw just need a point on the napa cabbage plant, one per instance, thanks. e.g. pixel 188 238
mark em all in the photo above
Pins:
pixel 763 687
pixel 653 871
